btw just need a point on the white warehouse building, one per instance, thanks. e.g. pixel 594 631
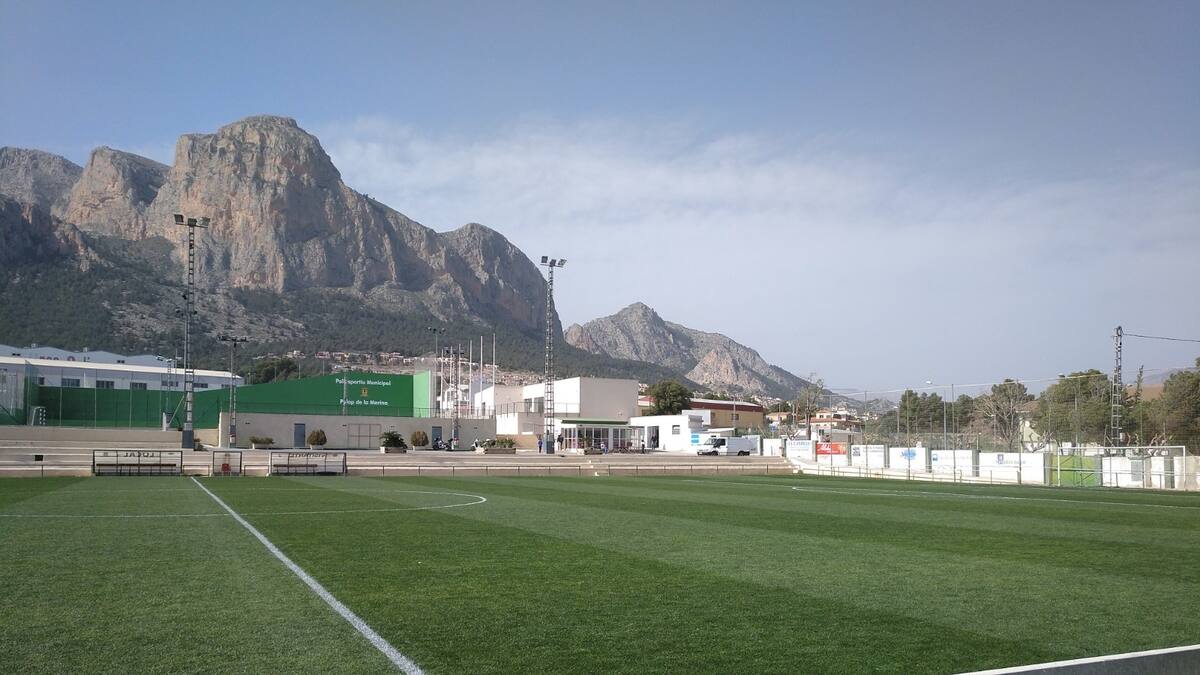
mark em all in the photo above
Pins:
pixel 101 375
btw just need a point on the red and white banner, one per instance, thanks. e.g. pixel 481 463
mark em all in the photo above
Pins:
pixel 831 448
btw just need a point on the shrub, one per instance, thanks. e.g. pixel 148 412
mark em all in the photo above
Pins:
pixel 262 440
pixel 419 439
pixel 316 437
pixel 506 443
pixel 391 439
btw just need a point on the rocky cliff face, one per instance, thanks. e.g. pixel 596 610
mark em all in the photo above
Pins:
pixel 710 359
pixel 35 177
pixel 282 220
pixel 114 192
pixel 28 234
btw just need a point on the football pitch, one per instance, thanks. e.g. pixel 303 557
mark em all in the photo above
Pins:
pixel 664 574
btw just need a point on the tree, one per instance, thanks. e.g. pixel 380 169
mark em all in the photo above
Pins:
pixel 272 370
pixel 419 439
pixel 670 398
pixel 1078 406
pixel 962 413
pixel 1004 406
pixel 1179 408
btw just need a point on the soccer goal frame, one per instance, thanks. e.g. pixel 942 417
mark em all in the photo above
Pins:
pixel 137 462
pixel 312 463
pixel 226 463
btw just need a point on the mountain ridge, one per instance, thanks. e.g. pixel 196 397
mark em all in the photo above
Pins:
pixel 293 256
pixel 710 359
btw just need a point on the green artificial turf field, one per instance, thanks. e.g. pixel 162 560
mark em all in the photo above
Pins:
pixel 588 575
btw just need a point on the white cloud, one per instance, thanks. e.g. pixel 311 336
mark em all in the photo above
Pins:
pixel 868 271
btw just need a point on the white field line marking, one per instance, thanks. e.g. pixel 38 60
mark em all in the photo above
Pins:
pixel 1085 661
pixel 399 660
pixel 115 515
pixel 479 499
pixel 903 493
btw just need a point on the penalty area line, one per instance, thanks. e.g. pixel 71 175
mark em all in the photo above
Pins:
pixel 399 660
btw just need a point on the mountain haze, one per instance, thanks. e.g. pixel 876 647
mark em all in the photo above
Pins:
pixel 712 360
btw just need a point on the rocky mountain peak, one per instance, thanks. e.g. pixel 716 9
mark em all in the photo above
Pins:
pixel 710 359
pixel 282 220
pixel 114 192
pixel 36 177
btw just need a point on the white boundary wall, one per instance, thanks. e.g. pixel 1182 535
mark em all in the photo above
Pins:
pixel 909 459
pixel 1012 467
pixel 868 456
pixel 959 462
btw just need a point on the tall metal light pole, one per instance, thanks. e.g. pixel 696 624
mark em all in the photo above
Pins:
pixel 548 398
pixel 188 439
pixel 1116 403
pixel 234 341
pixel 437 387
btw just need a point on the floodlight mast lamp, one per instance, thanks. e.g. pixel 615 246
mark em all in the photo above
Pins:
pixel 234 341
pixel 548 438
pixel 188 439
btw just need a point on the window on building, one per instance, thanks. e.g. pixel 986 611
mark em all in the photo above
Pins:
pixel 734 417
pixel 41 381
pixel 138 385
pixel 70 382
pixel 120 360
pixel 106 384
pixel 200 385
pixel 674 429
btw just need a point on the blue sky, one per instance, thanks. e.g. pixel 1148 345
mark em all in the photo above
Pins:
pixel 882 193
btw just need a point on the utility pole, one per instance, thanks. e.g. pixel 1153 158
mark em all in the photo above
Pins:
pixel 548 397
pixel 233 343
pixel 188 439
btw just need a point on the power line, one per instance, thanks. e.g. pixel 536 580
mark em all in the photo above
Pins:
pixel 1159 337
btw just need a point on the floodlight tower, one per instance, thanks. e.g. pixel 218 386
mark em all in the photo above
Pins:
pixel 1117 402
pixel 548 399
pixel 234 341
pixel 437 396
pixel 188 440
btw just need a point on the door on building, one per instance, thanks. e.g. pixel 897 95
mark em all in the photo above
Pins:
pixel 298 433
pixel 651 438
pixel 435 434
pixel 363 436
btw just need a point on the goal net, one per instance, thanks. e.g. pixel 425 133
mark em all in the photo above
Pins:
pixel 226 463
pixel 137 462
pixel 308 463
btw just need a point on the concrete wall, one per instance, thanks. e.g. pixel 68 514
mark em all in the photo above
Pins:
pixel 604 398
pixel 78 436
pixel 909 459
pixel 868 456
pixel 800 449
pixel 688 425
pixel 1002 466
pixel 354 431
pixel 950 461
